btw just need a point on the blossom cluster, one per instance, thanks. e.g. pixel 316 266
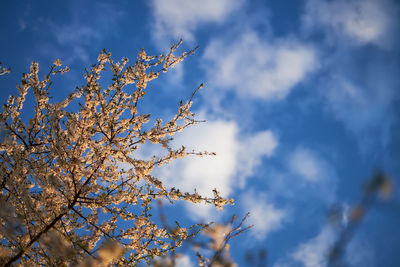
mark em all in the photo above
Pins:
pixel 64 199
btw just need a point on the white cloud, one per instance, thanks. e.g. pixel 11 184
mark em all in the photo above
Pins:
pixel 180 18
pixel 361 21
pixel 183 261
pixel 208 172
pixel 252 150
pixel 314 252
pixel 361 108
pixel 305 164
pixel 264 216
pixel 236 158
pixel 74 38
pixel 75 34
pixel 317 174
pixel 306 176
pixel 257 68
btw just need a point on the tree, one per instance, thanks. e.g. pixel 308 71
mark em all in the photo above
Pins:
pixel 65 197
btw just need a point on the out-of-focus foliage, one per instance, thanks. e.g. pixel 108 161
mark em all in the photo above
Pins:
pixel 379 187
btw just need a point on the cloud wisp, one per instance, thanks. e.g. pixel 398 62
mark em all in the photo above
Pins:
pixel 359 22
pixel 82 30
pixel 264 215
pixel 303 163
pixel 237 157
pixel 256 68
pixel 176 19
pixel 360 108
pixel 313 253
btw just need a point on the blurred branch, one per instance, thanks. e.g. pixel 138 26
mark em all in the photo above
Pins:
pixel 379 186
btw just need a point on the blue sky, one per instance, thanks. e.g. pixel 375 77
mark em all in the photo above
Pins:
pixel 301 99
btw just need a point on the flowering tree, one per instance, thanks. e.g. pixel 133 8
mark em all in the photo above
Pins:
pixel 65 199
